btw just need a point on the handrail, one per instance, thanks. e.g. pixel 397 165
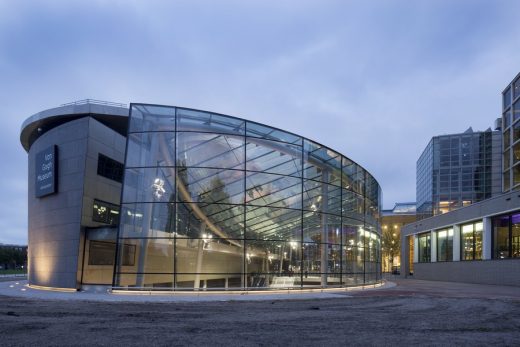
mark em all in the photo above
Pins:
pixel 96 102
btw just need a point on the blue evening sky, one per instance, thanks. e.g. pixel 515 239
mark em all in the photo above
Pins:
pixel 374 80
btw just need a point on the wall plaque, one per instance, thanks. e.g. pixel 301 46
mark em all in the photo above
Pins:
pixel 46 172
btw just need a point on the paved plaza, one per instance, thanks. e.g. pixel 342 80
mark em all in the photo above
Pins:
pixel 409 312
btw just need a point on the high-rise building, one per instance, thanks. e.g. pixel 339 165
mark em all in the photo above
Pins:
pixel 511 135
pixel 457 170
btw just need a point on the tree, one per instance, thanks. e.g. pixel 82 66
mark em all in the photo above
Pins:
pixel 391 243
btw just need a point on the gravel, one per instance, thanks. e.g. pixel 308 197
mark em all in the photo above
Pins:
pixel 399 316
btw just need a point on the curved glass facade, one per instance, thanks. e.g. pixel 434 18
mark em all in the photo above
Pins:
pixel 217 202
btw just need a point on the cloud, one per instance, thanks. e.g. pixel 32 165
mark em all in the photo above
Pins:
pixel 372 80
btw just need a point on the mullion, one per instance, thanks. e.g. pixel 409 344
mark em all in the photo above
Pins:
pixel 266 170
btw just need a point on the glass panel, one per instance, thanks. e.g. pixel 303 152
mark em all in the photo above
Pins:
pixel 354 270
pixel 352 232
pixel 507 162
pixel 445 245
pixel 516 153
pixel 359 180
pixel 102 253
pixel 467 242
pixel 210 150
pixel 149 185
pixel 274 264
pixel 516 88
pixel 516 175
pixel 321 163
pixel 265 132
pixel 207 258
pixel 273 190
pixel 353 205
pixel 424 248
pixel 321 197
pixel 501 237
pixel 210 220
pixel 506 119
pixel 321 264
pixel 349 172
pixel 507 139
pixel 191 120
pixel 210 185
pixel 353 177
pixel 515 236
pixel 506 98
pixel 110 168
pixel 273 157
pixel 150 149
pixel 104 212
pixel 516 111
pixel 147 220
pixel 321 228
pixel 151 118
pixel 478 240
pixel 153 266
pixel 507 183
pixel 268 223
pixel 441 245
pixel 516 132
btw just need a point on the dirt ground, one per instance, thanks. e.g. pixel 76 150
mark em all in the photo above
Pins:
pixel 413 312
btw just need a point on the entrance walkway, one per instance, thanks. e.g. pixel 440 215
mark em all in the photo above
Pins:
pixel 411 287
pixel 20 289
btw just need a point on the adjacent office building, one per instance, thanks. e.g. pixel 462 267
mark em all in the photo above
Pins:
pixel 478 243
pixel 457 170
pixel 511 135
pixel 169 198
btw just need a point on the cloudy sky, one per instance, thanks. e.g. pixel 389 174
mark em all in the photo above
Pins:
pixel 373 79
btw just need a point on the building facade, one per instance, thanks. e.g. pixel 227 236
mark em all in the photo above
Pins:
pixel 511 135
pixel 169 198
pixel 457 170
pixel 480 242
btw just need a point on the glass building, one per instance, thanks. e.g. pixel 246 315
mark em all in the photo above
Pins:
pixel 216 202
pixel 511 135
pixel 457 170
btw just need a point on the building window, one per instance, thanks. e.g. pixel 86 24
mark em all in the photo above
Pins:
pixel 516 88
pixel 506 122
pixel 424 248
pixel 471 241
pixel 104 212
pixel 445 245
pixel 507 97
pixel 516 111
pixel 506 236
pixel 110 168
pixel 104 253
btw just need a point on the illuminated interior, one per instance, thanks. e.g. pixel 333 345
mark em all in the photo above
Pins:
pixel 217 202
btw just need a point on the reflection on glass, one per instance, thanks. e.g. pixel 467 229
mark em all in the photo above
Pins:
pixel 200 121
pixel 217 202
pixel 445 245
pixel 273 157
pixel 424 248
pixel 151 118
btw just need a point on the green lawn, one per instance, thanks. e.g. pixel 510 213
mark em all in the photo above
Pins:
pixel 13 272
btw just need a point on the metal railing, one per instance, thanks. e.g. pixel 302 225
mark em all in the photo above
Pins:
pixel 96 102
